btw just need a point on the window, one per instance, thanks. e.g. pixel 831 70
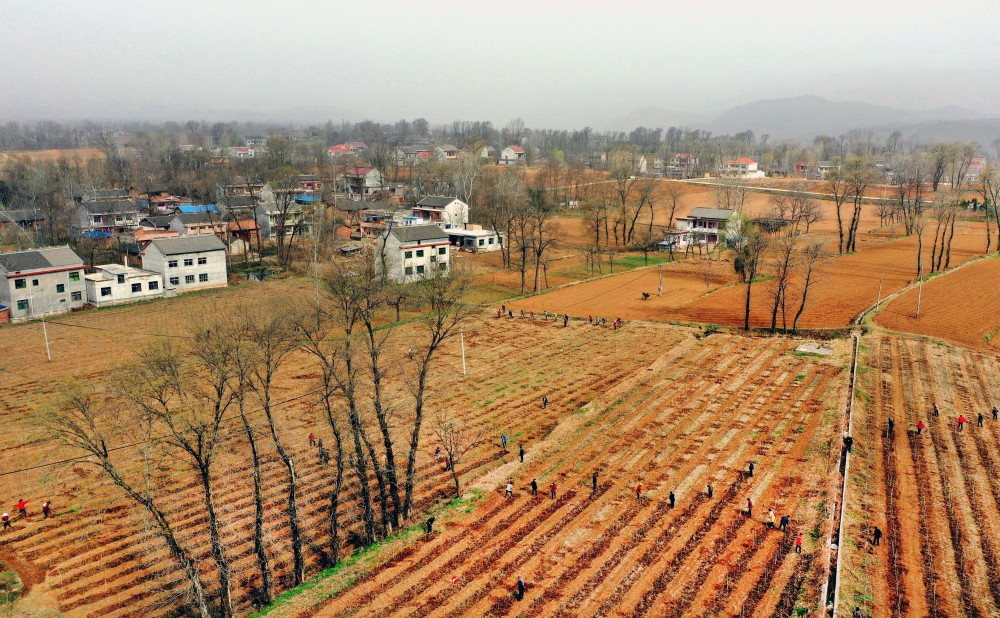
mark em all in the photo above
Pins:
pixel 420 253
pixel 34 283
pixel 481 243
pixel 442 250
pixel 20 284
pixel 22 305
pixel 443 265
pixel 203 277
pixel 491 240
pixel 74 276
pixel 76 296
pixel 420 269
pixel 154 285
pixel 408 254
pixel 175 281
pixel 60 288
pixel 121 279
pixel 98 219
pixel 202 261
pixel 189 262
pixel 409 270
pixel 172 264
pixel 188 278
pixel 106 291
pixel 136 288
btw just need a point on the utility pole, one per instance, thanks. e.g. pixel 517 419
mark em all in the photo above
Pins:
pixel 920 291
pixel 660 288
pixel 461 332
pixel 879 301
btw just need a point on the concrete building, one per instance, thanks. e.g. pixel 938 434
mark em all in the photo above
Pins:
pixel 706 226
pixel 188 262
pixel 413 252
pixel 41 282
pixel 109 217
pixel 449 212
pixel 113 284
pixel 475 239
pixel 512 155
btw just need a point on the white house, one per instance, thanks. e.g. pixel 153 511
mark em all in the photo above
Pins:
pixel 707 225
pixel 113 284
pixel 743 167
pixel 448 211
pixel 511 155
pixel 242 152
pixel 413 252
pixel 187 262
pixel 40 282
pixel 475 239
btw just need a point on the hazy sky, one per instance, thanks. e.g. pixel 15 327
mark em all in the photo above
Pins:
pixel 553 63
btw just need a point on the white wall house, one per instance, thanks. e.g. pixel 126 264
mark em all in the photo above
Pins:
pixel 707 226
pixel 41 282
pixel 475 239
pixel 113 284
pixel 413 252
pixel 511 155
pixel 187 262
pixel 743 167
pixel 449 212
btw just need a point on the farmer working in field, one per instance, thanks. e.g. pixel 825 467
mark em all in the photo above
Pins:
pixel 783 526
pixel 534 487
pixel 996 413
pixel 638 492
pixel 980 420
pixel 798 543
pixel 709 490
pixel 770 518
pixel 920 427
pixel 552 490
pixel 749 507
pixel 545 401
pixel 750 470
pixel 5 518
pixel 509 491
pixel 593 478
pixel 47 509
pixel 937 412
pixel 961 421
pixel 877 536
pixel 521 452
pixel 503 441
pixel 520 589
pixel 430 526
pixel 312 439
pixel 22 507
pixel 673 499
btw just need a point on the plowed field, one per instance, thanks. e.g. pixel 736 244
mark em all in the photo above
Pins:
pixel 960 307
pixel 693 412
pixel 935 495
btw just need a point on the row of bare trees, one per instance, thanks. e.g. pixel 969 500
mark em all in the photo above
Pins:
pixel 193 400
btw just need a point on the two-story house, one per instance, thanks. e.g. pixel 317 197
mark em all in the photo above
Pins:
pixel 511 155
pixel 113 284
pixel 449 212
pixel 187 262
pixel 40 282
pixel 412 252
pixel 361 182
pixel 108 217
pixel 744 167
pixel 706 225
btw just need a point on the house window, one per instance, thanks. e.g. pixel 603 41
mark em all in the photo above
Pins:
pixel 203 277
pixel 172 264
pixel 188 278
pixel 76 296
pixel 136 288
pixel 98 219
pixel 154 285
pixel 407 254
pixel 491 240
pixel 202 261
pixel 189 262
pixel 443 265
pixel 106 291
pixel 74 276
pixel 22 305
pixel 60 288
pixel 443 250
pixel 408 270
pixel 482 243
pixel 420 269
pixel 20 284
pixel 175 281
pixel 420 253
pixel 34 283
pixel 121 279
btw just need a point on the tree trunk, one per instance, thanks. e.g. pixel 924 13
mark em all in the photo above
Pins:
pixel 335 493
pixel 411 460
pixel 383 422
pixel 951 235
pixel 225 589
pixel 840 229
pixel 259 549
pixel 380 482
pixel 746 315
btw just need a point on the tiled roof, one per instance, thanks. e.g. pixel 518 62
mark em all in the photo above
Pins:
pixel 39 259
pixel 416 233
pixel 189 244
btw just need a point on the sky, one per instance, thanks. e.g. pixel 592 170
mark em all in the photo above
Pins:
pixel 553 63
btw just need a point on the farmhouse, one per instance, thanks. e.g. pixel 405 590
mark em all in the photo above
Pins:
pixel 413 252
pixel 744 167
pixel 511 155
pixel 113 284
pixel 187 262
pixel 28 220
pixel 41 282
pixel 108 217
pixel 446 152
pixel 706 225
pixel 448 211
pixel 363 181
pixel 475 239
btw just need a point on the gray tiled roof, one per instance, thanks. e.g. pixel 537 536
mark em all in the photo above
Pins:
pixel 709 213
pixel 21 216
pixel 189 244
pixel 436 201
pixel 118 206
pixel 416 233
pixel 39 259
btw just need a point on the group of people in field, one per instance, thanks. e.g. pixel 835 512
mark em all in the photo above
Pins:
pixel 504 311
pixel 22 512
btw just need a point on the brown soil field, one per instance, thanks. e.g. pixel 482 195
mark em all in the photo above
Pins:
pixel 692 412
pixel 643 404
pixel 936 496
pixel 846 285
pixel 960 307
pixel 83 154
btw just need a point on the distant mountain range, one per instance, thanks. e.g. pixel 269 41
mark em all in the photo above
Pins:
pixel 805 117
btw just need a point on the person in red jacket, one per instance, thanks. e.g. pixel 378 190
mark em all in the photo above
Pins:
pixel 22 507
pixel 552 491
pixel 749 507
pixel 920 427
pixel 798 543
pixel 312 439
pixel 961 421
pixel 638 492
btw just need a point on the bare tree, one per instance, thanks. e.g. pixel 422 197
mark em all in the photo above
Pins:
pixel 811 255
pixel 840 187
pixel 672 192
pixel 989 189
pixel 623 167
pixel 543 229
pixel 782 266
pixel 467 169
pixel 749 254
pixel 82 423
pixel 457 438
